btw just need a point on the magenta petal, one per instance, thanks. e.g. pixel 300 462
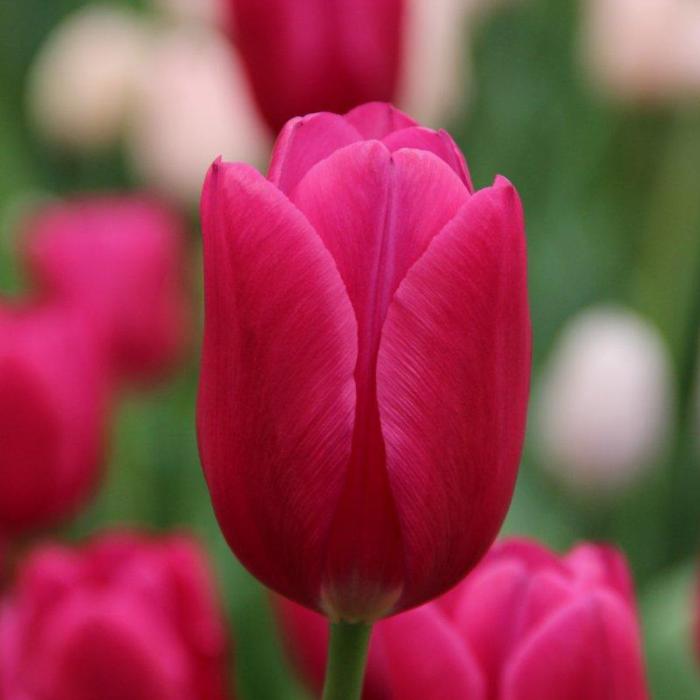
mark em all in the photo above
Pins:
pixel 94 634
pixel 588 650
pixel 600 565
pixel 277 398
pixel 120 261
pixel 438 142
pixel 53 409
pixel 303 142
pixel 529 553
pixel 452 383
pixel 376 213
pixel 426 658
pixel 501 602
pixel 375 120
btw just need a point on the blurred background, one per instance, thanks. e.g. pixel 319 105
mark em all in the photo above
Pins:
pixel 590 107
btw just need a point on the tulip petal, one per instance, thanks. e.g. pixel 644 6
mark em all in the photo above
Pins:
pixel 499 604
pixel 376 213
pixel 277 397
pixel 51 426
pixel 376 120
pixel 30 434
pixel 303 142
pixel 589 649
pixel 530 553
pixel 317 55
pixel 452 383
pixel 426 658
pixel 438 142
pixel 602 566
pixel 92 635
pixel 120 260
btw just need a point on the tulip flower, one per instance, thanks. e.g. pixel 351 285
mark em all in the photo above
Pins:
pixel 606 403
pixel 306 56
pixel 311 55
pixel 81 83
pixel 191 104
pixel 524 625
pixel 53 385
pixel 121 262
pixel 366 361
pixel 643 50
pixel 124 617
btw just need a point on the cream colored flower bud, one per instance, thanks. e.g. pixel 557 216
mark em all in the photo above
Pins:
pixel 193 105
pixel 605 402
pixel 82 80
pixel 435 71
pixel 643 49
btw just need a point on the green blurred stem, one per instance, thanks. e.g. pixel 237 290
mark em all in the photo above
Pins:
pixel 667 289
pixel 667 283
pixel 347 658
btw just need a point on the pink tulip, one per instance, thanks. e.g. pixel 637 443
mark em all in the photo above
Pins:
pixel 524 625
pixel 366 361
pixel 121 261
pixel 124 617
pixel 52 413
pixel 310 55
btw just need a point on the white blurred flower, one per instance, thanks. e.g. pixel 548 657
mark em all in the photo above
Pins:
pixel 606 401
pixel 435 71
pixel 81 82
pixel 643 49
pixel 436 62
pixel 193 105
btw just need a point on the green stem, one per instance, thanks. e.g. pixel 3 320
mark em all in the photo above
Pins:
pixel 347 658
pixel 668 291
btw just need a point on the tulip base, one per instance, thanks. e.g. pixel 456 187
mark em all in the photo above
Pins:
pixel 347 658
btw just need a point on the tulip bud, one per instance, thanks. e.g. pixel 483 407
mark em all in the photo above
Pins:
pixel 366 361
pixel 124 617
pixel 52 415
pixel 643 49
pixel 605 405
pixel 120 261
pixel 305 56
pixel 81 83
pixel 524 625
pixel 432 82
pixel 435 74
pixel 192 105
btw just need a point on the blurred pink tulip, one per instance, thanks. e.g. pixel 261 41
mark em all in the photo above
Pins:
pixel 120 261
pixel 125 617
pixel 366 361
pixel 524 625
pixel 307 56
pixel 53 386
